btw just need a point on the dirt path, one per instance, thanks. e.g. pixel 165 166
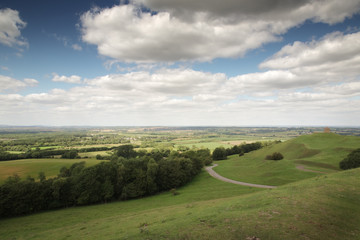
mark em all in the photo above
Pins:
pixel 302 168
pixel 217 176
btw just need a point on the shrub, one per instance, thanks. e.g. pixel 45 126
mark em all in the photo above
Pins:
pixel 219 153
pixel 174 191
pixel 351 161
pixel 274 156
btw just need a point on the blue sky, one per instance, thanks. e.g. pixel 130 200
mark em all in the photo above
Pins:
pixel 157 62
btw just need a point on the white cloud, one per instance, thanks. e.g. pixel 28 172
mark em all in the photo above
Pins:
pixel 4 68
pixel 8 83
pixel 76 47
pixel 200 30
pixel 332 52
pixel 70 79
pixel 328 11
pixel 347 89
pixel 164 81
pixel 185 96
pixel 145 38
pixel 31 82
pixel 10 26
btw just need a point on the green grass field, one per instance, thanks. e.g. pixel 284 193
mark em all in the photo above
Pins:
pixel 93 154
pixel 319 152
pixel 324 207
pixel 32 167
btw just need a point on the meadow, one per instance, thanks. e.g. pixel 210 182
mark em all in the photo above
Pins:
pixel 318 152
pixel 32 167
pixel 324 207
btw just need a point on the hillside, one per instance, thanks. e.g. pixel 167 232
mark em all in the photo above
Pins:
pixel 304 157
pixel 324 207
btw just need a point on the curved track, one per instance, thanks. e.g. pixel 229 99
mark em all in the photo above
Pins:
pixel 217 176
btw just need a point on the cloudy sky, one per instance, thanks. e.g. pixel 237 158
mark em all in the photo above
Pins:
pixel 180 62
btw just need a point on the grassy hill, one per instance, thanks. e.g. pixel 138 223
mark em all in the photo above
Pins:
pixel 320 152
pixel 324 207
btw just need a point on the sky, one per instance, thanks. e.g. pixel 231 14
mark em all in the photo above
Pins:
pixel 180 63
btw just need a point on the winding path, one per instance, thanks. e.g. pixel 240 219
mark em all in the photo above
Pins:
pixel 217 176
pixel 302 168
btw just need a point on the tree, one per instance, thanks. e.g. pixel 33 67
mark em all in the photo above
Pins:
pixel 126 151
pixel 42 176
pixel 219 153
pixel 72 154
pixel 351 161
pixel 152 169
pixel 274 156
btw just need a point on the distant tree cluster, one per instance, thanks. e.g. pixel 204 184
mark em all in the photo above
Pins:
pixel 46 153
pixel 274 156
pixel 220 153
pixel 351 161
pixel 126 176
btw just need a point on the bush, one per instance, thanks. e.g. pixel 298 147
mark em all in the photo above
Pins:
pixel 274 156
pixel 351 161
pixel 219 153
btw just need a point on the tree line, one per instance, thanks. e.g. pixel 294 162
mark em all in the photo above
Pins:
pixel 46 153
pixel 128 175
pixel 221 153
pixel 352 160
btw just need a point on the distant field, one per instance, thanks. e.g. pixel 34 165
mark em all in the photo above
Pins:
pixel 47 147
pixel 32 167
pixel 209 145
pixel 318 152
pixel 93 154
pixel 320 208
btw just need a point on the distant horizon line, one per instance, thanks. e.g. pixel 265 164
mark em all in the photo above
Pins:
pixel 174 126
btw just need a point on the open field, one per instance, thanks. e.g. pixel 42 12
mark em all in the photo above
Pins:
pixel 324 207
pixel 32 167
pixel 93 154
pixel 318 152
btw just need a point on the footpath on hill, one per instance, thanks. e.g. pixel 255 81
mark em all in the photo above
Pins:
pixel 217 176
pixel 302 168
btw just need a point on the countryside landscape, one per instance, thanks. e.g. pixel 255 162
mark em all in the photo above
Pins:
pixel 180 119
pixel 310 197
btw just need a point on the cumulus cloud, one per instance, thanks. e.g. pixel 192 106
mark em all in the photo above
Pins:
pixel 200 30
pixel 328 11
pixel 185 96
pixel 10 26
pixel 9 83
pixel 71 79
pixel 329 52
pixel 333 59
pixel 164 81
pixel 124 33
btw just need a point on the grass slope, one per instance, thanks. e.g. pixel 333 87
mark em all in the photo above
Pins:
pixel 324 207
pixel 319 152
